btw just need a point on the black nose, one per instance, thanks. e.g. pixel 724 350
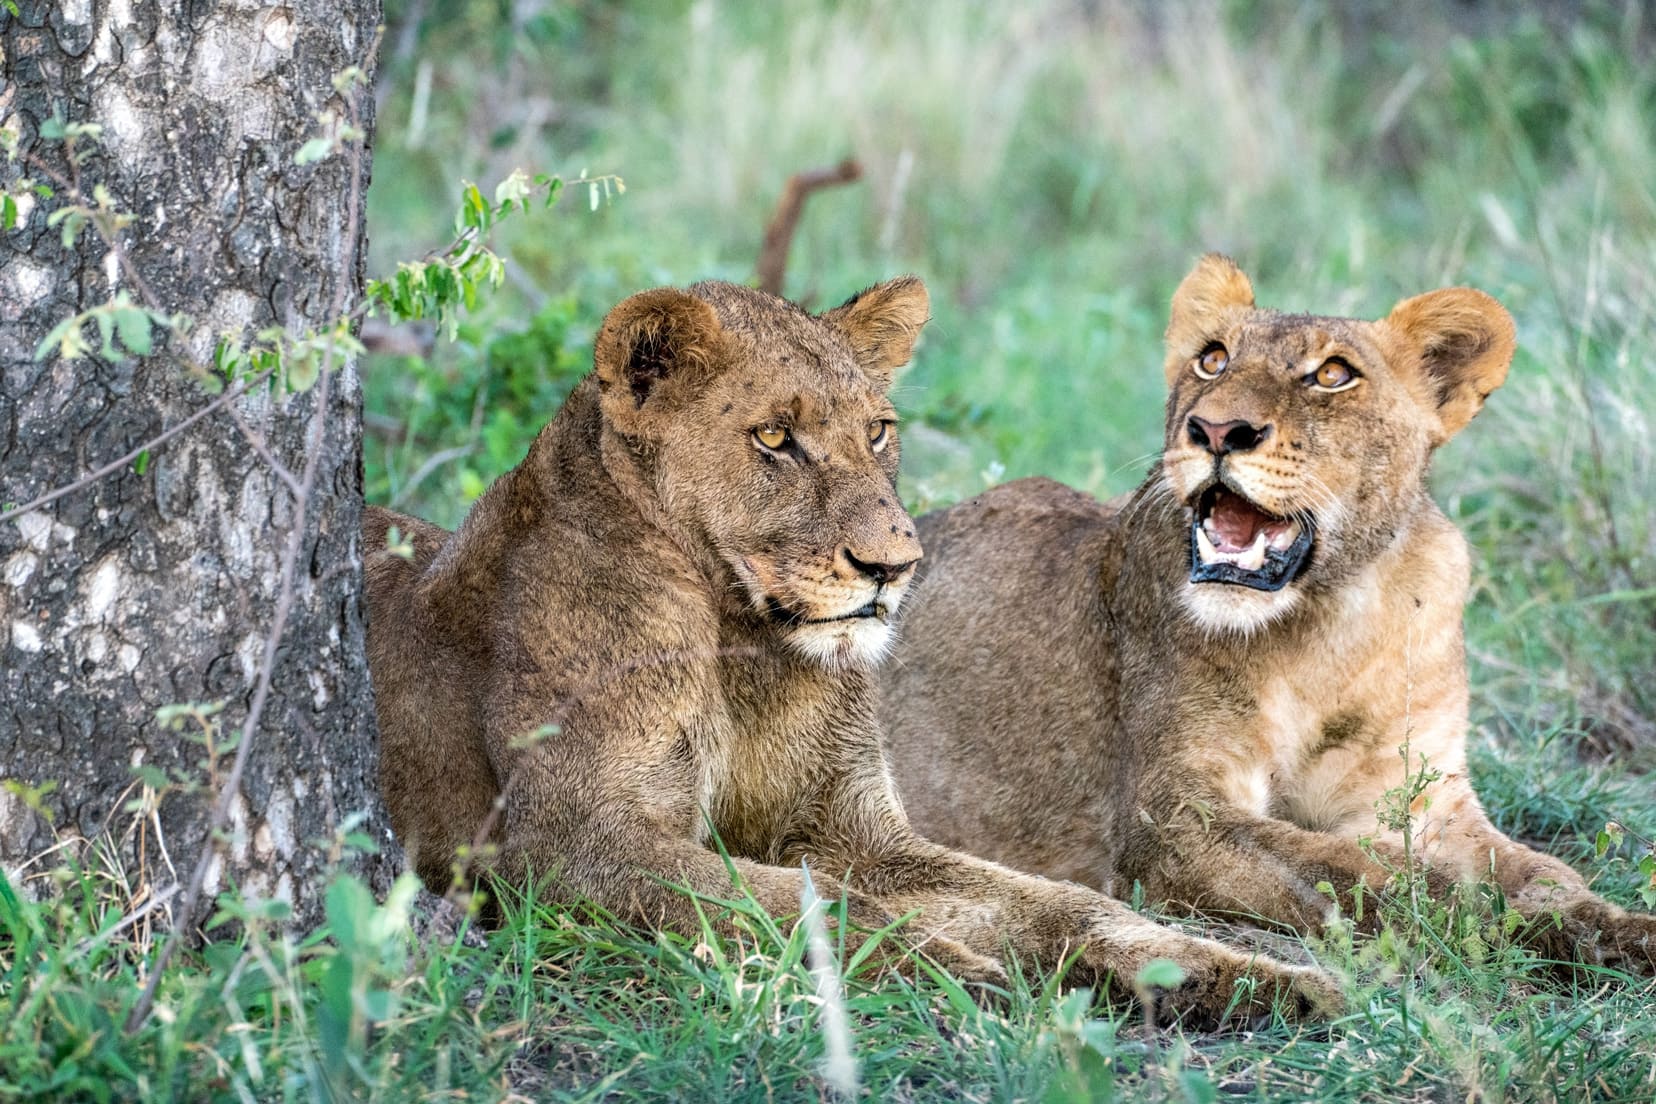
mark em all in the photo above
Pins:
pixel 1222 437
pixel 881 573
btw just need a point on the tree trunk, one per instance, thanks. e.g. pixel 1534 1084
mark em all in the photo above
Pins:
pixel 157 586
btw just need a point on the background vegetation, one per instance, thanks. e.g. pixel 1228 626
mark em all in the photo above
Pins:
pixel 1051 169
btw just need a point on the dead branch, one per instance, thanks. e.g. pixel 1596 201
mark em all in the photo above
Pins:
pixel 779 232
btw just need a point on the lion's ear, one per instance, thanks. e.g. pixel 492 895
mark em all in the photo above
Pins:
pixel 1454 347
pixel 883 324
pixel 1213 289
pixel 651 347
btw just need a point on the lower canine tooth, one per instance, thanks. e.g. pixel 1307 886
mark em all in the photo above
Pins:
pixel 1205 547
pixel 1254 558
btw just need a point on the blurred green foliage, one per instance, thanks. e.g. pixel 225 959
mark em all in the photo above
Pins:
pixel 481 403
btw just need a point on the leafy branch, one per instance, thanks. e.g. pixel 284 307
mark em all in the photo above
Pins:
pixel 443 284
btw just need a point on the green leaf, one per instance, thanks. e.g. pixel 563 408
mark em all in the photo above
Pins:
pixel 350 909
pixel 1197 1088
pixel 514 189
pixel 8 212
pixel 361 842
pixel 314 150
pixel 348 76
pixel 1160 973
pixel 33 797
pixel 141 465
pixel 152 776
pixel 106 336
pixel 303 370
pixel 474 210
pixel 66 336
pixel 69 220
pixel 133 326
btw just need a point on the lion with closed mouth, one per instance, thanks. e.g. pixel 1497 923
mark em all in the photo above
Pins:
pixel 654 640
pixel 1214 686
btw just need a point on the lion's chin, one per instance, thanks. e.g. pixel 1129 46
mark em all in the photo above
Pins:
pixel 1233 610
pixel 856 643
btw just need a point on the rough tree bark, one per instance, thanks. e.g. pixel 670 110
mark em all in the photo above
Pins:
pixel 153 588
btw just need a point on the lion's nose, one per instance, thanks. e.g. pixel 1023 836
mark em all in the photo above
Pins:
pixel 881 573
pixel 1222 437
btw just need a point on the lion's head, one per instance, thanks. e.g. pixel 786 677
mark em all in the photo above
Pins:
pixel 1298 445
pixel 769 442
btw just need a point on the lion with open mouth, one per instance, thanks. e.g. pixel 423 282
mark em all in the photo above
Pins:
pixel 1218 686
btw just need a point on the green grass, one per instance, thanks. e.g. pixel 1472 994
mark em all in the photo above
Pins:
pixel 1051 174
pixel 562 1005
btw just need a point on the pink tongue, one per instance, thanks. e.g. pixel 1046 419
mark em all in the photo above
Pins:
pixel 1235 522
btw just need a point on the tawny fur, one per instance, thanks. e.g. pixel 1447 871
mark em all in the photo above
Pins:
pixel 615 646
pixel 1069 703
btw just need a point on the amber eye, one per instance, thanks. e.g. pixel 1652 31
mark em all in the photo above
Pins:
pixel 1212 363
pixel 771 437
pixel 878 434
pixel 1334 375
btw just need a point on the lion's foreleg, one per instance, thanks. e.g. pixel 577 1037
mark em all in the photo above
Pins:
pixel 1568 920
pixel 992 909
pixel 1228 862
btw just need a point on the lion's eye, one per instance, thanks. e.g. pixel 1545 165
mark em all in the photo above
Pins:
pixel 1212 363
pixel 878 434
pixel 771 437
pixel 1334 375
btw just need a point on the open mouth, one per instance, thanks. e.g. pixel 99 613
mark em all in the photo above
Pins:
pixel 791 617
pixel 1234 541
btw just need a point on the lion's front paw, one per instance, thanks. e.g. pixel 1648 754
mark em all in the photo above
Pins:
pixel 1306 993
pixel 1591 930
pixel 1628 942
pixel 1252 990
pixel 1221 987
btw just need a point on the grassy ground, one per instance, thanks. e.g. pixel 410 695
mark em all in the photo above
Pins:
pixel 1051 173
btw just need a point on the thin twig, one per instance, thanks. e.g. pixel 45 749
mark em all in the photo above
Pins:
pixel 130 918
pixel 231 393
pixel 256 439
pixel 432 463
